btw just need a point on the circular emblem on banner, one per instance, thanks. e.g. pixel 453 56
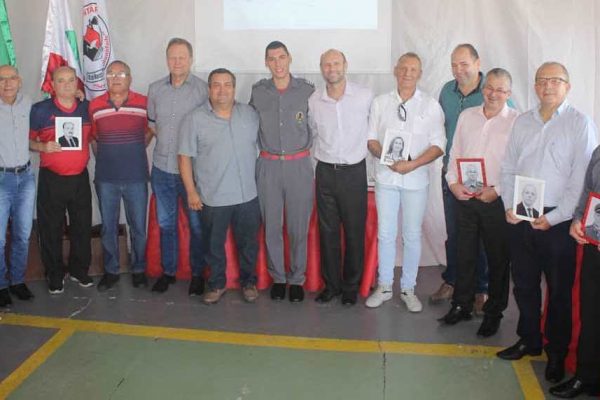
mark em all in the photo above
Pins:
pixel 96 48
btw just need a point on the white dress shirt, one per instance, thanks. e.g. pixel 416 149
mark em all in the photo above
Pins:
pixel 339 127
pixel 425 122
pixel 557 151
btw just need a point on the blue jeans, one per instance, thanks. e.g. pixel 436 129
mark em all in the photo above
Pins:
pixel 17 199
pixel 389 200
pixel 135 200
pixel 451 214
pixel 244 219
pixel 168 189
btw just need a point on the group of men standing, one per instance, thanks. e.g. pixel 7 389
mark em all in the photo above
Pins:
pixel 230 163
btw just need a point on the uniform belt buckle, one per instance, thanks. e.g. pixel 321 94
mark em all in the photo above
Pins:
pixel 281 157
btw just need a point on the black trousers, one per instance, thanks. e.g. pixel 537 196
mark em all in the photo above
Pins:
pixel 244 219
pixel 342 201
pixel 552 253
pixel 588 350
pixel 57 194
pixel 482 222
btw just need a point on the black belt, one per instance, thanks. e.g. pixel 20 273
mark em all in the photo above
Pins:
pixel 16 170
pixel 341 166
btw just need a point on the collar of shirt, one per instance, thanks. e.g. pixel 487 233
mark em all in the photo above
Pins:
pixel 187 80
pixel 416 96
pixel 210 108
pixel 558 112
pixel 124 103
pixel 476 90
pixel 502 114
pixel 348 91
pixel 18 101
pixel 293 83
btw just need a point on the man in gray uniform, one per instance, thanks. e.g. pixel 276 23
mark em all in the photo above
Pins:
pixel 220 137
pixel 284 170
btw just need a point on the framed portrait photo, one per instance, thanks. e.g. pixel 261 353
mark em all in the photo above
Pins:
pixel 68 133
pixel 395 147
pixel 471 174
pixel 590 223
pixel 528 201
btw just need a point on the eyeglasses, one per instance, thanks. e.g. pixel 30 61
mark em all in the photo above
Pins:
pixel 554 81
pixel 402 112
pixel 497 91
pixel 113 75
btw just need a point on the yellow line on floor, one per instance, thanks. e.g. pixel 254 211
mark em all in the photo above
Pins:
pixel 527 379
pixel 249 339
pixel 523 368
pixel 19 375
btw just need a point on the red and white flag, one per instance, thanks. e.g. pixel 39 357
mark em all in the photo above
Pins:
pixel 60 44
pixel 97 47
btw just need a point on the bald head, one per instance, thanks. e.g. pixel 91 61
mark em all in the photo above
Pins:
pixel 333 67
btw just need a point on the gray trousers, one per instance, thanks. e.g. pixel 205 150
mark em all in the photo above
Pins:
pixel 286 186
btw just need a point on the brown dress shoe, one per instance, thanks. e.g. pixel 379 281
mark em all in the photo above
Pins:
pixel 444 293
pixel 250 293
pixel 213 295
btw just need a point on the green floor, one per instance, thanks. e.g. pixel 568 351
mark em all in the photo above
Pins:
pixel 100 366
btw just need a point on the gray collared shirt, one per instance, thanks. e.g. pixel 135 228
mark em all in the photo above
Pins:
pixel 557 151
pixel 14 132
pixel 167 105
pixel 224 153
pixel 283 116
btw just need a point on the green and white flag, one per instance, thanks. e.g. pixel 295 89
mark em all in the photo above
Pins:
pixel 7 49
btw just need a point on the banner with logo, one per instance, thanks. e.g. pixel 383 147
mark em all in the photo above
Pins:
pixel 60 44
pixel 7 50
pixel 97 47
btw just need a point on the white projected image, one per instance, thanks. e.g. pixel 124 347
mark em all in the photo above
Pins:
pixel 299 14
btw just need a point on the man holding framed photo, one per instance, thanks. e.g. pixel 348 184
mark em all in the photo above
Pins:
pixel 403 185
pixel 552 142
pixel 482 132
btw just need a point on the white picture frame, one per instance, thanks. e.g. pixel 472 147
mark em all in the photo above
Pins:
pixel 528 201
pixel 68 133
pixel 395 146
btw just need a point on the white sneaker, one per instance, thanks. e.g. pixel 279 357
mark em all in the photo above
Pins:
pixel 411 300
pixel 381 294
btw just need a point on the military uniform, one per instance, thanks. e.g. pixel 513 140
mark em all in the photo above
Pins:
pixel 284 172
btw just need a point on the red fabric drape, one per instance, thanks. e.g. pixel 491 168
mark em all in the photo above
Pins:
pixel 313 274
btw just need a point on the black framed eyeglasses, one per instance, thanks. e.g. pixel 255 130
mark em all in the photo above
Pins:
pixel 402 112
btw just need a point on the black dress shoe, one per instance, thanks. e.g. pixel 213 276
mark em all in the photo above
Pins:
pixel 139 279
pixel 573 388
pixel 5 299
pixel 278 291
pixel 108 280
pixel 518 351
pixel 455 315
pixel 348 298
pixel 555 369
pixel 296 293
pixel 489 326
pixel 326 296
pixel 21 291
pixel 196 286
pixel 162 284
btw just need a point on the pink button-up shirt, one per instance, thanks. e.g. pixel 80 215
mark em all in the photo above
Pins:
pixel 477 136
